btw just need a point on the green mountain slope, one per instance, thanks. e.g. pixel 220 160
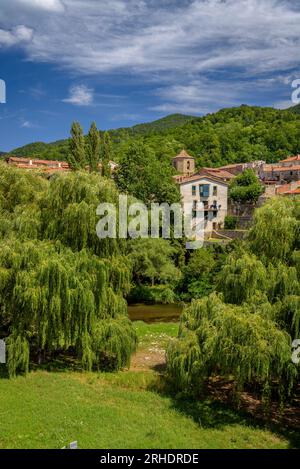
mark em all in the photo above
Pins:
pixel 57 149
pixel 295 109
pixel 241 134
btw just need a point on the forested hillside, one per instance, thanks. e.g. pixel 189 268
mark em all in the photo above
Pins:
pixel 230 135
pixel 295 109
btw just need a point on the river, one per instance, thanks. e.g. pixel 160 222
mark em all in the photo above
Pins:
pixel 155 313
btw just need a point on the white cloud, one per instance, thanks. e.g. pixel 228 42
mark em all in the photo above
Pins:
pixel 25 124
pixel 176 43
pixel 185 37
pixel 80 95
pixel 48 5
pixel 16 35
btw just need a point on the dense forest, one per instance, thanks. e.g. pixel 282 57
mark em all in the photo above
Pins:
pixel 230 135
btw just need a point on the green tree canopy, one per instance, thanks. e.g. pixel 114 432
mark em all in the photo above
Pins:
pixel 245 187
pixel 146 178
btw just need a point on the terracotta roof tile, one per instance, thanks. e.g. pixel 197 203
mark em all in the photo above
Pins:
pixel 291 159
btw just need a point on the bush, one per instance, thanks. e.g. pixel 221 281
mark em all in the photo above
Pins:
pixel 230 222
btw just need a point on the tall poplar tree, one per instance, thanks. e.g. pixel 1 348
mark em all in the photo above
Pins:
pixel 93 148
pixel 77 151
pixel 106 154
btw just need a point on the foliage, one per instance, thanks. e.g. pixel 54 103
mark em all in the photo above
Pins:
pixel 61 288
pixel 144 177
pixel 274 232
pixel 241 277
pixel 157 294
pixel 106 154
pixel 151 261
pixel 93 148
pixel 231 135
pixel 230 222
pixel 198 274
pixel 245 187
pixel 232 341
pixel 77 150
pixel 246 331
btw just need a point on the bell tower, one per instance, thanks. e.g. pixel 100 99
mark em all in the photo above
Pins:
pixel 184 163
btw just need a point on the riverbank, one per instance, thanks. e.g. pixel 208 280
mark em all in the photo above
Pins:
pixel 129 409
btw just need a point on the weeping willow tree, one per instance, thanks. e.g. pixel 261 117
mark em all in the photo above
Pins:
pixel 246 332
pixel 54 299
pixel 234 342
pixel 69 212
pixel 61 288
pixel 275 230
pixel 241 277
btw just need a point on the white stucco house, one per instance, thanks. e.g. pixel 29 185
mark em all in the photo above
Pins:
pixel 207 188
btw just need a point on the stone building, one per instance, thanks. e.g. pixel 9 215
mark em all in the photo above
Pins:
pixel 212 192
pixel 283 172
pixel 208 186
pixel 184 163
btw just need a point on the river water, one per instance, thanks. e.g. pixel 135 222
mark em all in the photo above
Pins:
pixel 155 313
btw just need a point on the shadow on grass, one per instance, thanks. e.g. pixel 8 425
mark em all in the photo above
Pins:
pixel 61 363
pixel 214 414
pixel 3 371
pixel 209 412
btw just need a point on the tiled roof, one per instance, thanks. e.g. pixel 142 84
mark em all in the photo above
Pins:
pixel 183 154
pixel 294 191
pixel 291 159
pixel 197 177
pixel 232 166
pixel 270 168
pixel 291 188
pixel 217 172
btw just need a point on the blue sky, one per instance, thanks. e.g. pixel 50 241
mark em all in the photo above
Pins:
pixel 124 62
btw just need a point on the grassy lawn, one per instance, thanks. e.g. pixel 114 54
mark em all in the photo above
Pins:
pixel 122 410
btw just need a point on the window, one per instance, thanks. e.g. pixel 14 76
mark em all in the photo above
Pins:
pixel 215 190
pixel 204 190
pixel 193 190
pixel 188 165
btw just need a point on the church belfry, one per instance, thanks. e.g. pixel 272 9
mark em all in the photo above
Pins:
pixel 184 163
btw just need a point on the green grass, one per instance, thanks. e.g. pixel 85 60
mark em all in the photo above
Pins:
pixel 121 410
pixel 158 331
pixel 48 410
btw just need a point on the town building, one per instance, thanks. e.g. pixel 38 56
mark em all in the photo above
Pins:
pixel 283 172
pixel 208 186
pixel 288 190
pixel 238 168
pixel 49 166
pixel 184 163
